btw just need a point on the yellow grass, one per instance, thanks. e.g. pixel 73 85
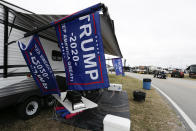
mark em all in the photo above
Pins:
pixel 186 76
pixel 152 115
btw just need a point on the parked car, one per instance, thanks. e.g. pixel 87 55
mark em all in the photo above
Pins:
pixel 126 69
pixel 177 73
pixel 160 74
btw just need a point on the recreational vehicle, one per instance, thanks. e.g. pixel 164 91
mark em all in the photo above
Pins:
pixel 142 69
pixel 17 86
pixel 192 71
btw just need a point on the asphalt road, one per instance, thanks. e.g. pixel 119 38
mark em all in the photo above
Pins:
pixel 181 91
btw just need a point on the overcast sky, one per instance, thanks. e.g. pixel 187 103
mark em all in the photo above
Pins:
pixel 149 32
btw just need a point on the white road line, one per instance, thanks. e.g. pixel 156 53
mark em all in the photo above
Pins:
pixel 182 113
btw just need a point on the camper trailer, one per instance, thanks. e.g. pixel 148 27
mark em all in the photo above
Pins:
pixel 152 69
pixel 17 86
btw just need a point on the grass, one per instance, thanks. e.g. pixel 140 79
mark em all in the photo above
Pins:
pixel 152 115
pixel 186 76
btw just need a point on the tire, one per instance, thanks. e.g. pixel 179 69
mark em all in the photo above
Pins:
pixel 29 108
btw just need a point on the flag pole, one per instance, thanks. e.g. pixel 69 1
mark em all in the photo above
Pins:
pixel 91 10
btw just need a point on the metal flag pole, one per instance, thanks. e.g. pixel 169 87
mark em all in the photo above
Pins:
pixel 67 19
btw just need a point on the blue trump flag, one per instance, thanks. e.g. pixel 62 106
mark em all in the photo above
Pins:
pixel 117 63
pixel 39 66
pixel 81 45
